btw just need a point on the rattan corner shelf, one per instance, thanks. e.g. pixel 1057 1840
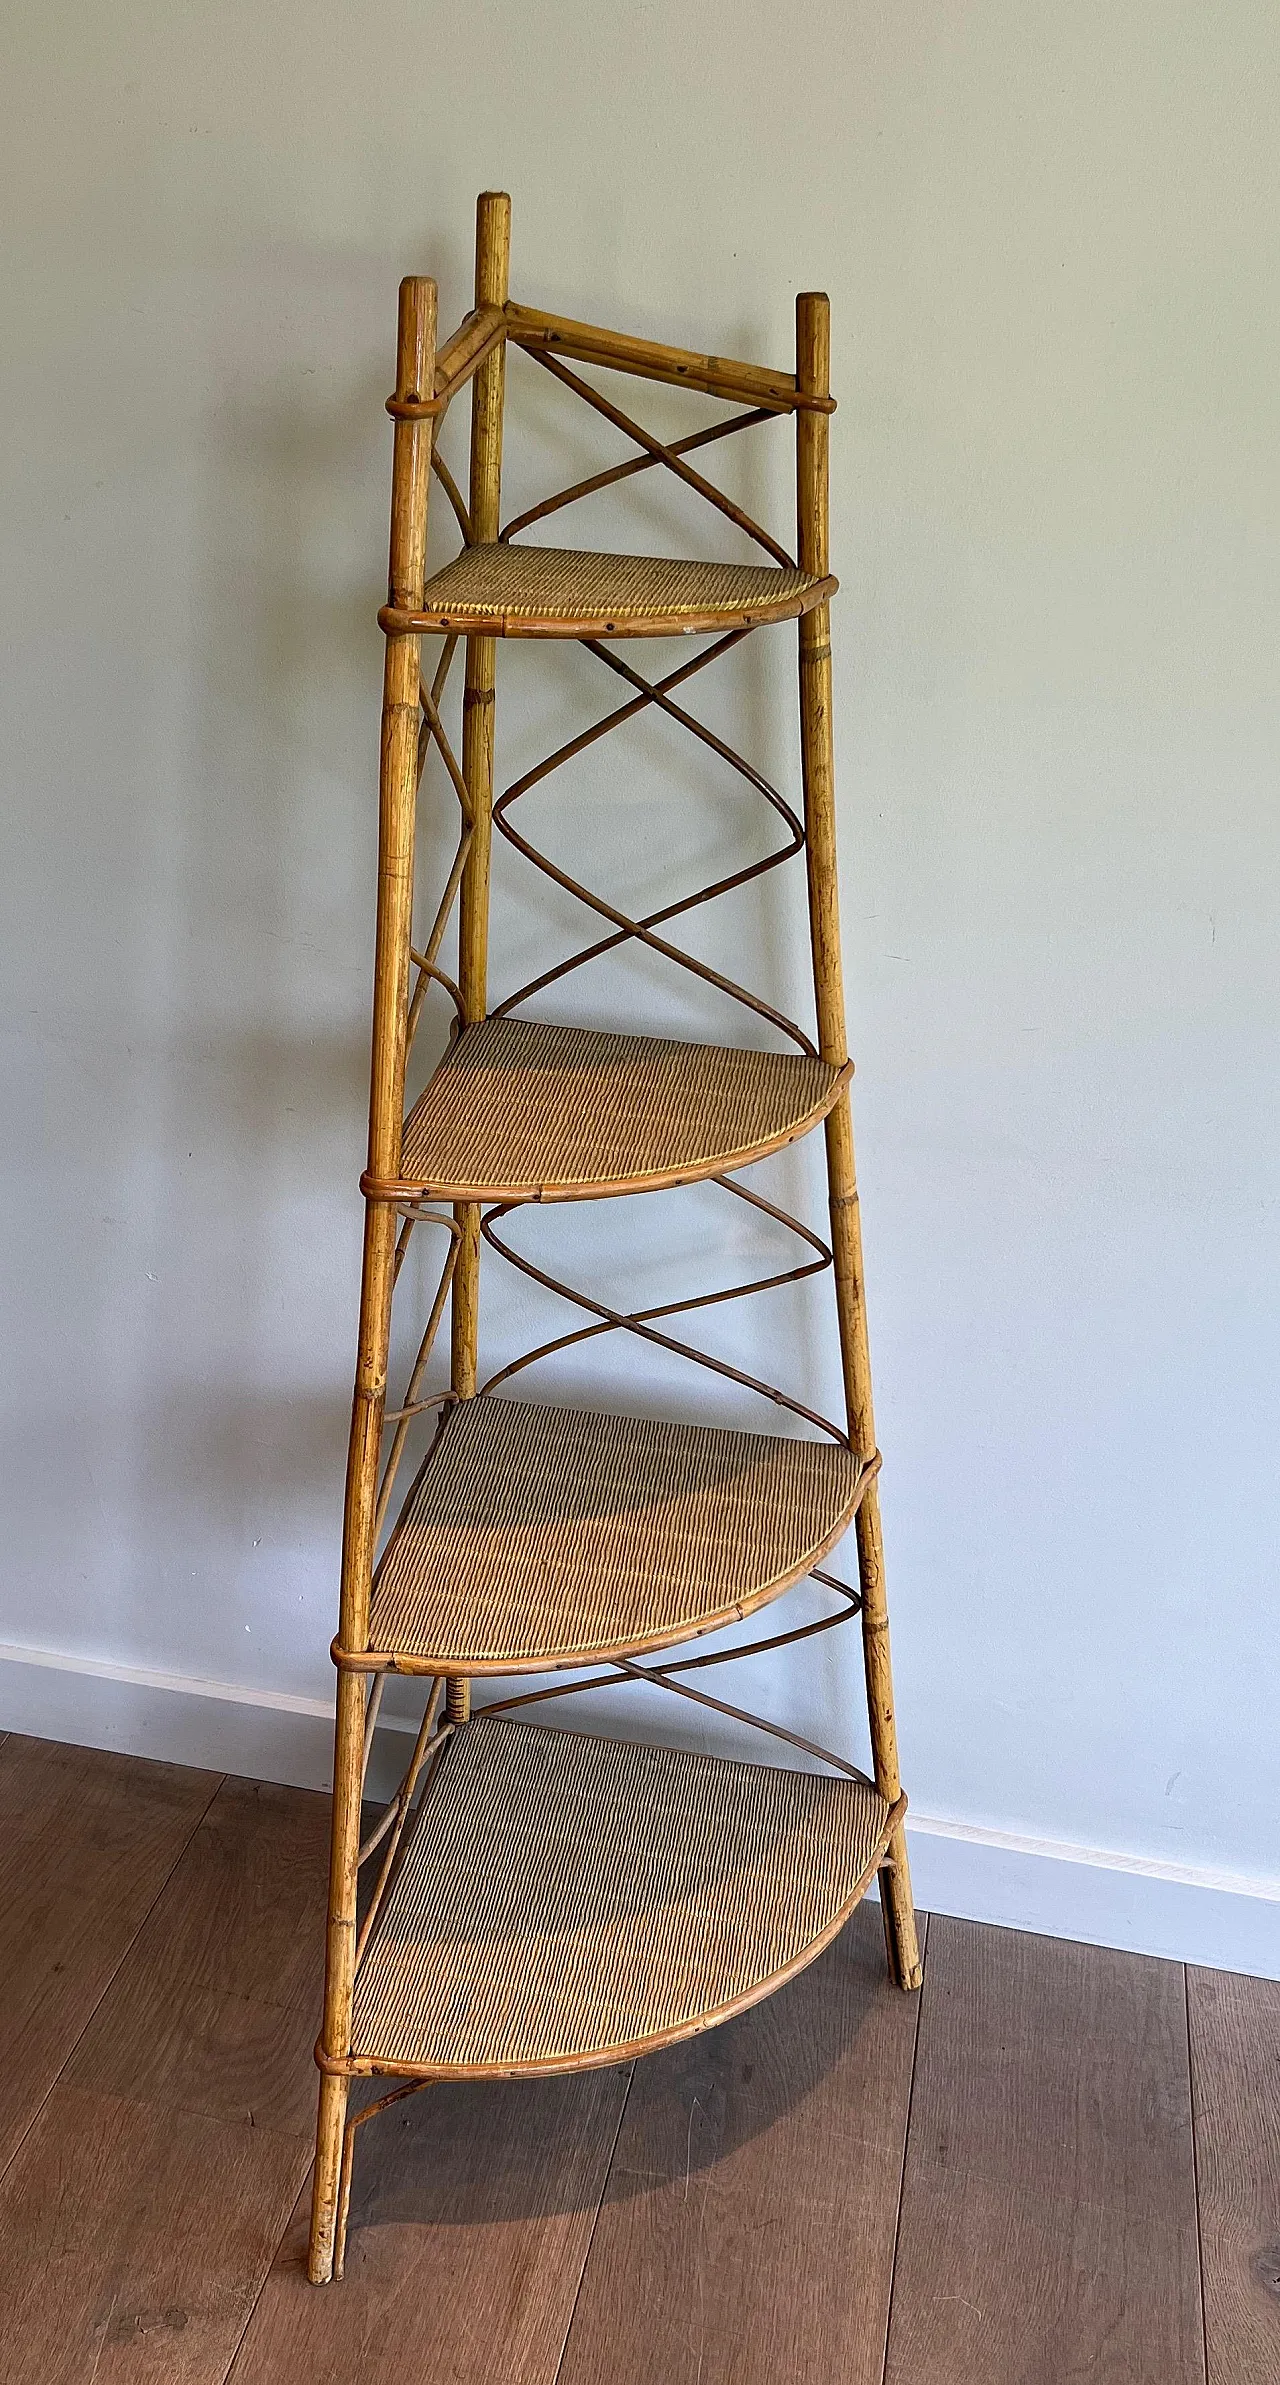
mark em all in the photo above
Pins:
pixel 536 1537
pixel 544 1899
pixel 522 1111
pixel 550 592
pixel 537 1873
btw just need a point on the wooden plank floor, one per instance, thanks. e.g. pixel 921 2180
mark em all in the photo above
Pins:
pixel 1057 2163
pixel 1235 2067
pixel 1048 2223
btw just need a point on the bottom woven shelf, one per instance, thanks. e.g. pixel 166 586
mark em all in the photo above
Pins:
pixel 566 1901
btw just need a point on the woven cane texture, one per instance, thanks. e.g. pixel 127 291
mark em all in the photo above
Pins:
pixel 522 1111
pixel 540 1536
pixel 528 591
pixel 567 1899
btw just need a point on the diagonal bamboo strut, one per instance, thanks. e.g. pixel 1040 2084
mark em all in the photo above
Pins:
pixel 693 1664
pixel 371 1723
pixel 432 732
pixel 612 1321
pixel 409 1407
pixel 619 1320
pixel 640 930
pixel 662 454
pixel 658 1674
pixel 634 464
pixel 454 495
pixel 368 2111
pixel 422 1746
pixel 428 1743
pixel 624 1668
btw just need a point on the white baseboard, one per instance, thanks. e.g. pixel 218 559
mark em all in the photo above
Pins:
pixel 1184 1911
pixel 175 1718
pixel 1143 1906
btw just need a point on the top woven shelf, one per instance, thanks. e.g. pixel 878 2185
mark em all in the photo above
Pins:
pixel 558 592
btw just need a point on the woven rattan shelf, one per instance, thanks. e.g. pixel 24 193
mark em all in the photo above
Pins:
pixel 538 1536
pixel 566 1901
pixel 540 1899
pixel 555 592
pixel 521 1111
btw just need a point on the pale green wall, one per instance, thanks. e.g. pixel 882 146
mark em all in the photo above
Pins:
pixel 1050 236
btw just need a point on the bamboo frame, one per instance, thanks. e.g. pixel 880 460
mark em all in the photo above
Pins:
pixel 427 379
pixel 716 376
pixel 493 261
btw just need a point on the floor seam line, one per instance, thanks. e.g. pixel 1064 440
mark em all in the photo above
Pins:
pixel 1195 2171
pixel 902 2172
pixel 586 2258
pixel 228 2374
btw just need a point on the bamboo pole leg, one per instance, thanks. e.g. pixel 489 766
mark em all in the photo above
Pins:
pixel 493 261
pixel 397 800
pixel 464 1299
pixel 897 1908
pixel 813 363
pixel 846 1241
pixel 324 2192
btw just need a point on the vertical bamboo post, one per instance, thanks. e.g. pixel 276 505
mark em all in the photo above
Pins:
pixel 397 803
pixel 493 260
pixel 813 367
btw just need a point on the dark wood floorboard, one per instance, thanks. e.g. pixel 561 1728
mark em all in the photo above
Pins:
pixel 471 2217
pixel 87 1841
pixel 1235 2074
pixel 747 2230
pixel 728 2214
pixel 133 2239
pixel 1048 2226
pixel 141 2214
pixel 217 2007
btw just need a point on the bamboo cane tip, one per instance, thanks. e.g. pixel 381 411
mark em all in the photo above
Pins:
pixel 417 303
pixel 493 253
pixel 416 338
